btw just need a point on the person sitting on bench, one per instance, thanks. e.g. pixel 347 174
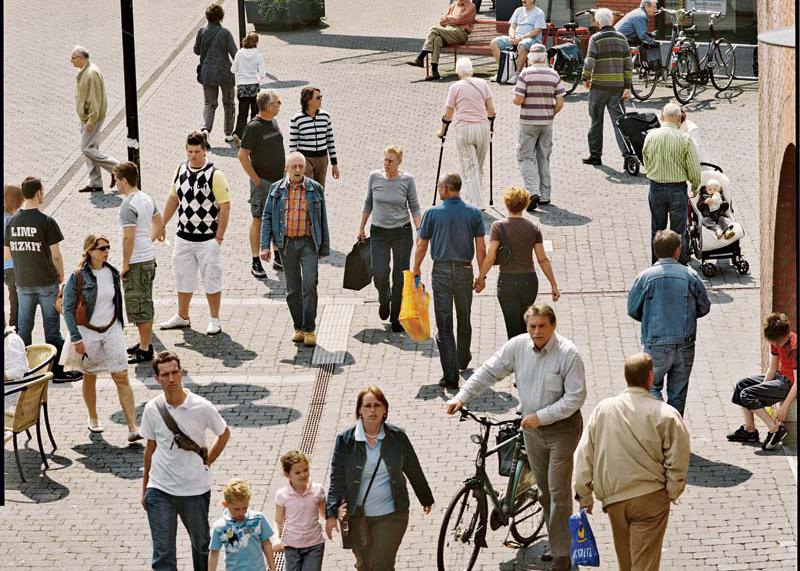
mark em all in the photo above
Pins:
pixel 454 28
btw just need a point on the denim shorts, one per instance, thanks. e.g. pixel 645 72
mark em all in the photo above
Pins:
pixel 504 42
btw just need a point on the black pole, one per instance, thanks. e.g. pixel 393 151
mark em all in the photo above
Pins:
pixel 242 25
pixel 129 65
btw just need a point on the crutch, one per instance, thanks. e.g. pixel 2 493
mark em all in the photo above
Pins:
pixel 445 126
pixel 491 136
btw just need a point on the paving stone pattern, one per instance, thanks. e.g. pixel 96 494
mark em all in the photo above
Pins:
pixel 84 513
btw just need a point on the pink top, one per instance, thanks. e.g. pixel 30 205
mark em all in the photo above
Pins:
pixel 469 96
pixel 302 527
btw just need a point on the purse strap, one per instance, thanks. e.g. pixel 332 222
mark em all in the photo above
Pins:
pixel 374 472
pixel 204 53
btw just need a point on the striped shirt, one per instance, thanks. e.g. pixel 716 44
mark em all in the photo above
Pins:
pixel 669 156
pixel 298 222
pixel 608 61
pixel 312 136
pixel 540 86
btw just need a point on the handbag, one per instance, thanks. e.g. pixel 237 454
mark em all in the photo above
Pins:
pixel 357 268
pixel 584 547
pixel 355 533
pixel 503 255
pixel 203 57
pixel 414 309
pixel 80 304
pixel 507 67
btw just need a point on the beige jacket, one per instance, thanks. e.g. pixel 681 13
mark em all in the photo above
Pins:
pixel 90 96
pixel 633 445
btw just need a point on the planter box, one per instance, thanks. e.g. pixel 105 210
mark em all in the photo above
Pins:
pixel 296 15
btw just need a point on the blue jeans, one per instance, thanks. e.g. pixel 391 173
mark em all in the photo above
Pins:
pixel 397 243
pixel 675 363
pixel 669 198
pixel 452 284
pixel 162 514
pixel 303 558
pixel 516 293
pixel 300 261
pixel 44 297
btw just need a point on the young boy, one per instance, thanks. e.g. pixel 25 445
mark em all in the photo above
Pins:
pixel 755 393
pixel 714 208
pixel 299 507
pixel 244 534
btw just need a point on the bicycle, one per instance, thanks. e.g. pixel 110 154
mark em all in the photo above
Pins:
pixel 566 58
pixel 463 531
pixel 645 75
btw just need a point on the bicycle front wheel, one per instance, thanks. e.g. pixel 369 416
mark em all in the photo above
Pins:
pixel 722 64
pixel 463 531
pixel 644 80
pixel 684 76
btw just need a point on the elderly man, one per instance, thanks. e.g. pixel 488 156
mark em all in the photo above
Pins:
pixel 455 231
pixel 296 222
pixel 540 95
pixel 551 381
pixel 671 160
pixel 634 456
pixel 92 104
pixel 668 298
pixel 454 28
pixel 608 75
pixel 525 30
pixel 634 24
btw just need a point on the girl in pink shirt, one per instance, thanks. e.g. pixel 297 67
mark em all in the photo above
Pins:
pixel 298 510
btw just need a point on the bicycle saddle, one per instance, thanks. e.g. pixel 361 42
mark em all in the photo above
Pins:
pixel 572 26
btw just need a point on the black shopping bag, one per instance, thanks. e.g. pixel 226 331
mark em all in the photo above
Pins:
pixel 357 267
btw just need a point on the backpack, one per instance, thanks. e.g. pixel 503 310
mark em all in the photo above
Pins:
pixel 507 68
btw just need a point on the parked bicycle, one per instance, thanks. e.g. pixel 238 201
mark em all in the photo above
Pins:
pixel 463 531
pixel 566 58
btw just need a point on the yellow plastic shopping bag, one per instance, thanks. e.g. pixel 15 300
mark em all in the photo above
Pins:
pixel 414 315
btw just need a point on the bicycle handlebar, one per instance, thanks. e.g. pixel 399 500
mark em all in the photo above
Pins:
pixel 485 420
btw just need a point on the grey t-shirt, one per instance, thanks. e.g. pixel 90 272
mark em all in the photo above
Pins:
pixel 138 210
pixel 390 200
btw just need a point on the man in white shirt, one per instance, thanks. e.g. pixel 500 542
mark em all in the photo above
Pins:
pixel 177 481
pixel 525 29
pixel 141 224
pixel 634 456
pixel 551 381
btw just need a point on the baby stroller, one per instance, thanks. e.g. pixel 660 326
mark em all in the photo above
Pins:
pixel 703 243
pixel 634 127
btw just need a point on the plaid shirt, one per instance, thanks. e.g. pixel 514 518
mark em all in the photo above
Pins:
pixel 298 221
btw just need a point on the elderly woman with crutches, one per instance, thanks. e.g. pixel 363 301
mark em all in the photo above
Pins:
pixel 470 109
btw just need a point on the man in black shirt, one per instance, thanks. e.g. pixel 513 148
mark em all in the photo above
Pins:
pixel 264 160
pixel 31 241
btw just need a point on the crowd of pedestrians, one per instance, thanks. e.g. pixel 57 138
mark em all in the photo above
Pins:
pixel 633 454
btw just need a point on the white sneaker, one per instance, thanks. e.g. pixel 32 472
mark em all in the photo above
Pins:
pixel 213 327
pixel 175 322
pixel 229 138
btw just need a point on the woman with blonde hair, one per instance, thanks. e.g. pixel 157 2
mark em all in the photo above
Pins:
pixel 95 328
pixel 391 198
pixel 12 200
pixel 470 109
pixel 517 284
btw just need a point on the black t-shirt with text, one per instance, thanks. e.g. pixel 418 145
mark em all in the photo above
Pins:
pixel 29 234
pixel 264 140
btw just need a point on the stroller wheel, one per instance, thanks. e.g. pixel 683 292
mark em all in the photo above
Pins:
pixel 742 267
pixel 632 165
pixel 709 270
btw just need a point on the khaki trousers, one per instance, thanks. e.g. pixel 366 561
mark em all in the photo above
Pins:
pixel 472 142
pixel 638 526
pixel 317 168
pixel 439 36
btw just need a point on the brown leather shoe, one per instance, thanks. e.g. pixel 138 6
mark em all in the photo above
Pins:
pixel 561 563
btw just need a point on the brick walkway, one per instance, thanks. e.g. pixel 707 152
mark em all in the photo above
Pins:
pixel 738 511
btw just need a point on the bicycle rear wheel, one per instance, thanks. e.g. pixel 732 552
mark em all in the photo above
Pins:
pixel 569 71
pixel 644 80
pixel 463 529
pixel 722 64
pixel 528 512
pixel 684 76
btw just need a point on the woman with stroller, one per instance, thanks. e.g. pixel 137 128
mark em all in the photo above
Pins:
pixel 93 296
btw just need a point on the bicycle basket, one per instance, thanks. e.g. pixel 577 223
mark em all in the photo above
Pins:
pixel 506 454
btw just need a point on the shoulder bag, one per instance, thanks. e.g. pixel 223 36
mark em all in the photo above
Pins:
pixel 355 534
pixel 503 255
pixel 183 441
pixel 81 317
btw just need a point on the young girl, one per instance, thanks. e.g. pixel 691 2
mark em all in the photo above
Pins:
pixel 299 508
pixel 250 70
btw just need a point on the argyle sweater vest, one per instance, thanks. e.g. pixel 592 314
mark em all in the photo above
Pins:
pixel 197 206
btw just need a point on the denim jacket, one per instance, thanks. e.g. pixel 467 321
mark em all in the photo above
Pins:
pixel 667 298
pixel 347 466
pixel 89 293
pixel 273 220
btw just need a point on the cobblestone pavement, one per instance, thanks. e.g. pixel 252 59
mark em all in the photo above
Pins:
pixel 738 511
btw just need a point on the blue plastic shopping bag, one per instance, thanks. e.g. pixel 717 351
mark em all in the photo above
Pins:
pixel 584 547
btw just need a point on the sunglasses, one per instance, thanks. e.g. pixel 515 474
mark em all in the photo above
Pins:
pixel 103 248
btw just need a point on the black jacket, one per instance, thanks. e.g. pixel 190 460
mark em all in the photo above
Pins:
pixel 347 466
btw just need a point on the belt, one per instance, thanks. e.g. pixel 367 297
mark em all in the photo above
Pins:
pixel 453 263
pixel 298 237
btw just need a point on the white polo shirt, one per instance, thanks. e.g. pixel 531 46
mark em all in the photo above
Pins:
pixel 172 470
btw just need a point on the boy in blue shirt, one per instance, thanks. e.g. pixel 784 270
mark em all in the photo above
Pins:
pixel 243 533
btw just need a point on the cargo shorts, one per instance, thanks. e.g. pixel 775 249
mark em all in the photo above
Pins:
pixel 138 287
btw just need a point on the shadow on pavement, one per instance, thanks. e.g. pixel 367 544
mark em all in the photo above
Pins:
pixel 528 558
pixel 286 84
pixel 621 177
pixel 710 474
pixel 494 402
pixel 335 259
pixel 105 200
pixel 377 43
pixel 39 488
pixel 104 458
pixel 385 335
pixel 220 346
pixel 552 215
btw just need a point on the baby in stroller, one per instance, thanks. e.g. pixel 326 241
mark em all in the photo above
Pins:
pixel 714 208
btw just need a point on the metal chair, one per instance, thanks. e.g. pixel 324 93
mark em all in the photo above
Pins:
pixel 26 414
pixel 40 360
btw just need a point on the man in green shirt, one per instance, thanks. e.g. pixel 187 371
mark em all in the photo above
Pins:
pixel 671 161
